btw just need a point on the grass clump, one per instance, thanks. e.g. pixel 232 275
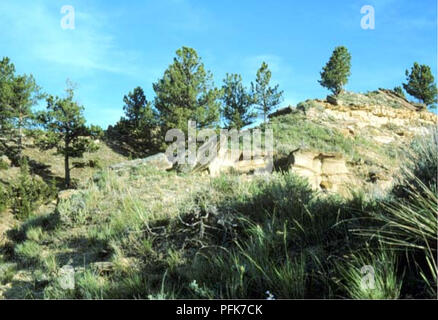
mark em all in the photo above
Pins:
pixel 29 252
pixel 371 274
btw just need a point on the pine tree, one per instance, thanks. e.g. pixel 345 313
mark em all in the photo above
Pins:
pixel 266 98
pixel 7 74
pixel 186 92
pixel 66 131
pixel 139 126
pixel 335 74
pixel 421 84
pixel 399 91
pixel 18 94
pixel 237 103
pixel 25 94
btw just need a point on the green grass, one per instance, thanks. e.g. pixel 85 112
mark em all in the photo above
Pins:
pixel 371 274
pixel 296 131
pixel 165 235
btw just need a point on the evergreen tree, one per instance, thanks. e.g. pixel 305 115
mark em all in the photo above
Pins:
pixel 140 124
pixel 266 98
pixel 399 91
pixel 186 92
pixel 421 84
pixel 7 74
pixel 18 94
pixel 66 130
pixel 237 103
pixel 25 94
pixel 336 72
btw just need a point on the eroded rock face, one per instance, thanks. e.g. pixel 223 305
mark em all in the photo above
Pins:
pixel 159 161
pixel 379 115
pixel 325 171
pixel 224 162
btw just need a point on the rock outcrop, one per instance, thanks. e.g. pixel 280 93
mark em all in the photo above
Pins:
pixel 324 171
pixel 158 161
pixel 224 162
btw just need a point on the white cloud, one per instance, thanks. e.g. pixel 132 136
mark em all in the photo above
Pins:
pixel 35 28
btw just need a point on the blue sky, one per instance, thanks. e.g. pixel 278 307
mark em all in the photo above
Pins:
pixel 118 45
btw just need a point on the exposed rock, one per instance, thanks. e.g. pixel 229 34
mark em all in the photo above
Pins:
pixel 225 162
pixel 383 139
pixel 325 171
pixel 159 161
pixel 233 160
pixel 362 116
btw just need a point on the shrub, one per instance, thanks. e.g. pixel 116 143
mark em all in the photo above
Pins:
pixel 423 160
pixel 4 198
pixel 27 191
pixel 3 165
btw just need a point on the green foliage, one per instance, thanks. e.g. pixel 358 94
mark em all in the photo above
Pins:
pixel 4 198
pixel 371 274
pixel 26 94
pixel 421 162
pixel 28 191
pixel 7 272
pixel 186 92
pixel 28 252
pixel 294 131
pixel 421 84
pixel 3 165
pixel 139 127
pixel 237 103
pixel 66 130
pixel 266 98
pixel 18 94
pixel 7 73
pixel 399 91
pixel 337 70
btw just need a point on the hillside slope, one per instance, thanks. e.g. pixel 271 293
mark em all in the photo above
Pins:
pixel 150 233
pixel 361 137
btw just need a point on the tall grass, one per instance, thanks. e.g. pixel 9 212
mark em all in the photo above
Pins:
pixel 409 222
pixel 370 274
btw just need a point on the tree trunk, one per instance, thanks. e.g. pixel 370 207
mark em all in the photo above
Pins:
pixel 67 171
